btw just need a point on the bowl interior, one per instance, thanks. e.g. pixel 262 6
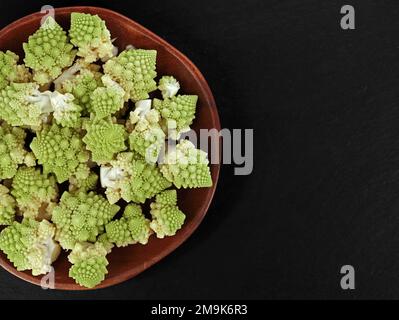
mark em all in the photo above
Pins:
pixel 127 262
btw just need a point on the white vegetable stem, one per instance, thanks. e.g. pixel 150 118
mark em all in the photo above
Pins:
pixel 110 175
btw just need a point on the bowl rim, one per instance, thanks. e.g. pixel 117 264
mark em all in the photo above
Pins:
pixel 129 274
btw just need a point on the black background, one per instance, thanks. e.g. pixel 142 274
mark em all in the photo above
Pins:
pixel 324 106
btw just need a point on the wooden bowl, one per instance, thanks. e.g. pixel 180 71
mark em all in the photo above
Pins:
pixel 125 263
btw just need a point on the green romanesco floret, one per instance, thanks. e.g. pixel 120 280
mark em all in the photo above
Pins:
pixel 186 166
pixel 7 206
pixel 89 263
pixel 60 151
pixel 103 239
pixel 67 79
pixel 82 87
pixel 133 210
pixel 146 182
pixel 69 74
pixel 34 192
pixel 83 179
pixel 22 104
pixel 167 218
pixel 83 184
pixel 10 71
pixel 169 86
pixel 12 151
pixel 178 113
pixel 132 228
pixel 105 101
pixel 135 71
pixel 146 137
pixel 65 111
pixel 90 34
pixel 48 51
pixel 131 179
pixel 104 139
pixel 30 245
pixel 81 217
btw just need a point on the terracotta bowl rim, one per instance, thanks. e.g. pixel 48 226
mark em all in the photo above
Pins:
pixel 213 115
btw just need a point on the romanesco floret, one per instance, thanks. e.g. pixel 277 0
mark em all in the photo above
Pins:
pixel 83 179
pixel 146 182
pixel 104 139
pixel 132 228
pixel 81 217
pixel 65 112
pixel 30 245
pixel 83 184
pixel 135 71
pixel 103 239
pixel 167 217
pixel 22 104
pixel 105 101
pixel 10 71
pixel 82 86
pixel 60 151
pixel 12 151
pixel 179 109
pixel 7 206
pixel 48 51
pixel 186 166
pixel 90 34
pixel 69 74
pixel 169 86
pixel 131 179
pixel 34 192
pixel 146 137
pixel 89 263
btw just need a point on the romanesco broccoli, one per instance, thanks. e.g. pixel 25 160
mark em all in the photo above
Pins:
pixel 90 34
pixel 80 79
pixel 12 151
pixel 7 206
pixel 103 239
pixel 10 71
pixel 30 245
pixel 65 112
pixel 79 110
pixel 105 101
pixel 186 166
pixel 66 78
pixel 22 104
pixel 146 137
pixel 131 179
pixel 47 52
pixel 178 111
pixel 135 71
pixel 34 192
pixel 89 263
pixel 82 87
pixel 132 228
pixel 81 217
pixel 83 184
pixel 169 86
pixel 60 151
pixel 104 139
pixel 167 217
